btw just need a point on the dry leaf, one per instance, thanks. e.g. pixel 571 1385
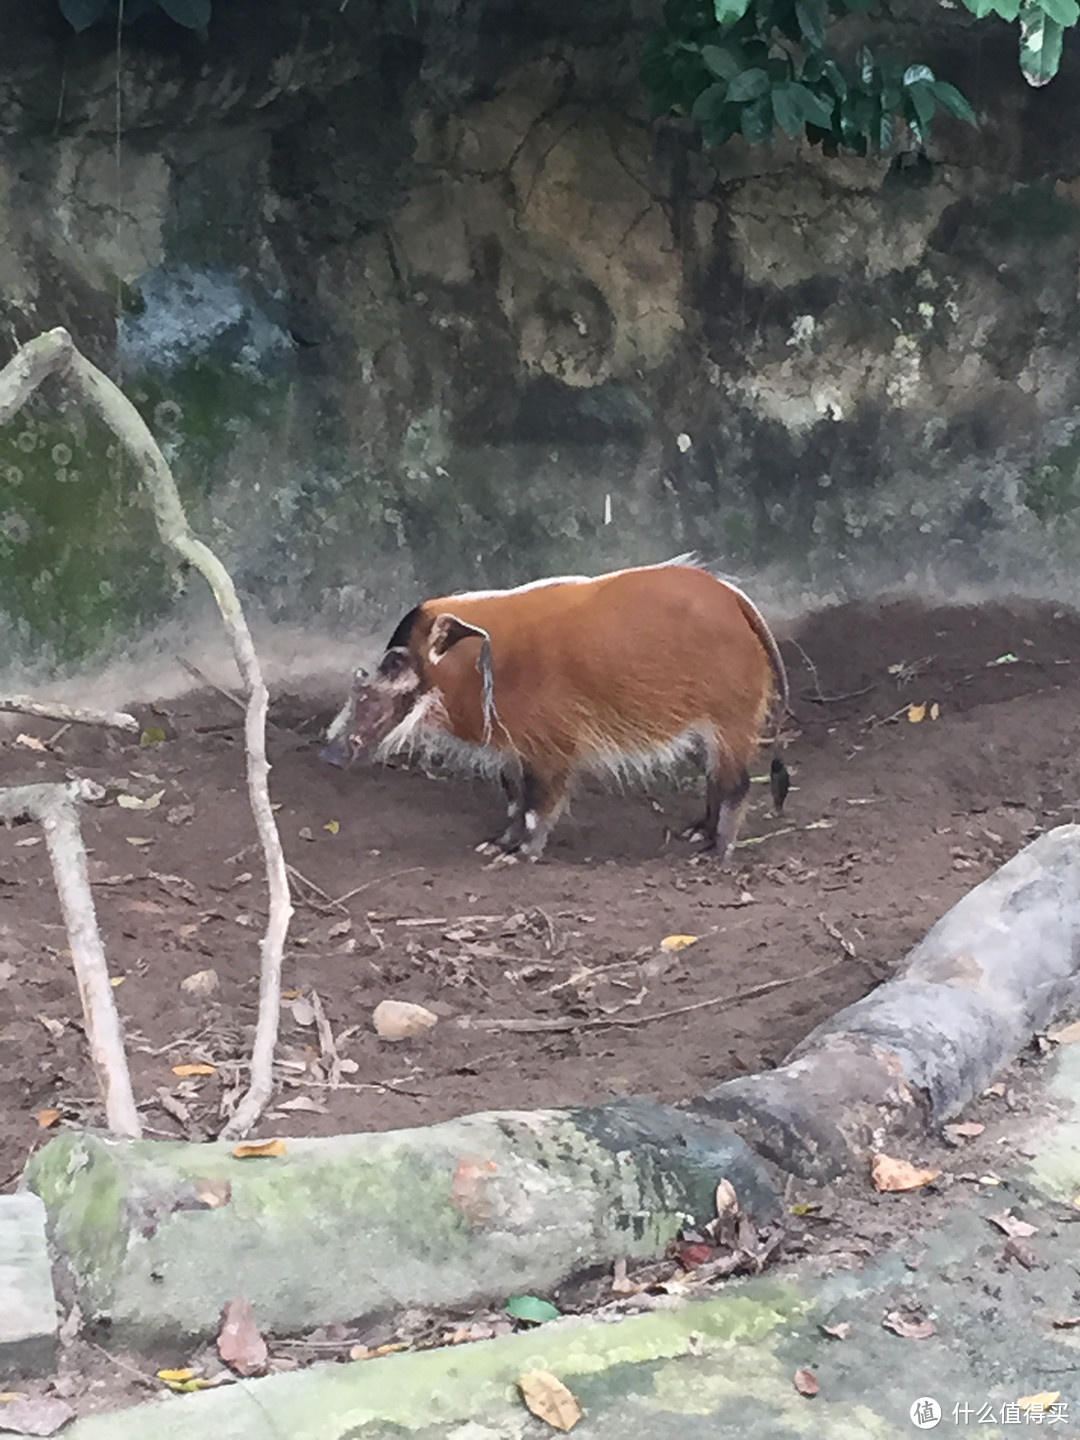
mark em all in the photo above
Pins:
pixel 29 840
pixel 139 841
pixel 54 1027
pixel 678 942
pixel 303 1102
pixel 401 1020
pixel 726 1199
pixel 935 710
pixel 305 833
pixel 332 826
pixel 805 1382
pixel 175 1377
pixel 39 1415
pixel 1042 1401
pixel 7 1396
pixel 136 802
pixel 372 1352
pixel 549 1399
pixel 916 713
pixel 47 1118
pixel 194 1068
pixel 303 1012
pixel 1066 1322
pixel 202 983
pixel 896 1175
pixel 117 980
pixel 838 1332
pixel 1066 1035
pixel 31 742
pixel 1015 1228
pixel 1021 1252
pixel 907 1327
pixel 259 1150
pixel 341 928
pixel 996 1090
pixel 239 1343
pixel 966 1130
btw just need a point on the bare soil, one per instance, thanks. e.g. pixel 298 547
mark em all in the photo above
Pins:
pixel 888 823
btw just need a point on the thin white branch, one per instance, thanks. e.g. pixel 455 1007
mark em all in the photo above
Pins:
pixel 55 352
pixel 73 714
pixel 55 808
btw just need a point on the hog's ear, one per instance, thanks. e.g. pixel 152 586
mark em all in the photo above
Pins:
pixel 446 632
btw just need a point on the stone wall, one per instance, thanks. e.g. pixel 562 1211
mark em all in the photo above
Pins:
pixel 420 297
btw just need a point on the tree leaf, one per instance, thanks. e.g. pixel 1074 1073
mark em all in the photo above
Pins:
pixel 748 85
pixel 531 1309
pixel 728 11
pixel 757 120
pixel 922 99
pixel 721 62
pixel 788 108
pixel 81 14
pixel 549 1399
pixel 710 102
pixel 816 109
pixel 914 73
pixel 1065 12
pixel 951 99
pixel 192 14
pixel 1007 9
pixel 812 18
pixel 1040 45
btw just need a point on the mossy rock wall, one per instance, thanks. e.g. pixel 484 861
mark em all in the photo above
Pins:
pixel 427 301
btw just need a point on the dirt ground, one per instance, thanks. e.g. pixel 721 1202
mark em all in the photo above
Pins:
pixel 889 822
pixel 887 825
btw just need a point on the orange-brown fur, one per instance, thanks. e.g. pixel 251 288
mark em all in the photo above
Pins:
pixel 591 674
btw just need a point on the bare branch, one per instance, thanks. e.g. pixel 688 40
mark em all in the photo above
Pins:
pixel 56 353
pixel 73 714
pixel 54 807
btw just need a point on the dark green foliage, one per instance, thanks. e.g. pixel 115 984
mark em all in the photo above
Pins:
pixel 748 66
pixel 81 14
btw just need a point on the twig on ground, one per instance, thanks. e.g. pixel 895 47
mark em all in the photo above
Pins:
pixel 598 1022
pixel 71 714
pixel 327 1049
pixel 328 901
pixel 194 671
pixel 54 807
pixel 837 699
pixel 379 880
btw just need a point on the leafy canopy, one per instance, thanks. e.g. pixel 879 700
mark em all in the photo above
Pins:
pixel 744 67
pixel 748 66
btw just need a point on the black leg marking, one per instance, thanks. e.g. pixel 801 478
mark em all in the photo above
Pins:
pixel 779 784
